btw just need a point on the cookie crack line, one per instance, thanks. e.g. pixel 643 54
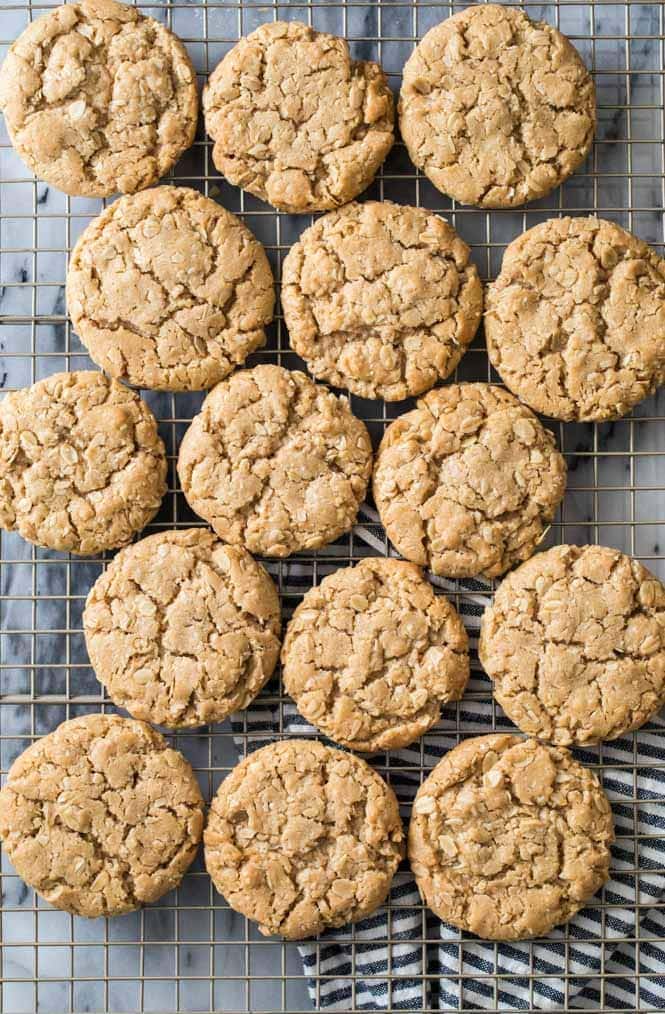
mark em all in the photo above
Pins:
pixel 295 121
pixel 121 868
pixel 516 101
pixel 193 302
pixel 573 645
pixel 605 274
pixel 518 125
pixel 192 649
pixel 76 807
pixel 509 837
pixel 575 322
pixel 175 315
pixel 371 655
pixel 380 298
pixel 82 467
pixel 68 90
pixel 275 462
pixel 302 837
pixel 468 482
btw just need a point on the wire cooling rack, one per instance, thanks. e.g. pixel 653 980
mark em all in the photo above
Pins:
pixel 189 951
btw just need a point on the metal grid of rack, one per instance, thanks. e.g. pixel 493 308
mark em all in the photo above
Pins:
pixel 189 951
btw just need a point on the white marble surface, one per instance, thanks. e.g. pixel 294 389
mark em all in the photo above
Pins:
pixel 614 497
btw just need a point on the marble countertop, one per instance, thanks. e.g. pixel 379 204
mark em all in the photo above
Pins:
pixel 615 493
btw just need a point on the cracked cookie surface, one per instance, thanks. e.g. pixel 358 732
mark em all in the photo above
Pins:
pixel 275 462
pixel 495 108
pixel 101 816
pixel 372 653
pixel 575 645
pixel 82 467
pixel 381 299
pixel 182 629
pixel 575 322
pixel 467 483
pixel 302 837
pixel 98 98
pixel 169 291
pixel 295 120
pixel 509 837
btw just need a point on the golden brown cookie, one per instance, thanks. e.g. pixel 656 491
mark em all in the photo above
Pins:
pixel 295 120
pixel 98 98
pixel 302 837
pixel 101 816
pixel 168 290
pixel 575 322
pixel 82 467
pixel 509 837
pixel 372 653
pixel 468 482
pixel 181 629
pixel 575 645
pixel 275 462
pixel 495 108
pixel 381 298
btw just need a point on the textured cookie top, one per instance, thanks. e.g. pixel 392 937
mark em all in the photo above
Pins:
pixel 381 299
pixel 575 645
pixel 82 467
pixel 169 290
pixel 98 98
pixel 509 837
pixel 467 483
pixel 181 629
pixel 101 816
pixel 275 462
pixel 575 322
pixel 301 837
pixel 295 120
pixel 496 109
pixel 372 653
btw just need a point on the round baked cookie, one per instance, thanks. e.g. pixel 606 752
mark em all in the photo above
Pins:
pixel 295 120
pixel 82 467
pixel 495 108
pixel 301 837
pixel 509 837
pixel 168 290
pixel 575 322
pixel 468 482
pixel 575 645
pixel 372 653
pixel 98 98
pixel 275 462
pixel 101 816
pixel 181 629
pixel 381 298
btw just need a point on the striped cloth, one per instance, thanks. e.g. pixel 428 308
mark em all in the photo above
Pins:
pixel 382 964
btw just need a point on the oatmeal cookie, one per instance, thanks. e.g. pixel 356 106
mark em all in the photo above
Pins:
pixel 372 653
pixel 381 299
pixel 275 462
pixel 98 98
pixel 181 629
pixel 575 645
pixel 168 290
pixel 302 837
pixel 82 467
pixel 101 816
pixel 495 108
pixel 295 120
pixel 467 483
pixel 575 322
pixel 509 837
